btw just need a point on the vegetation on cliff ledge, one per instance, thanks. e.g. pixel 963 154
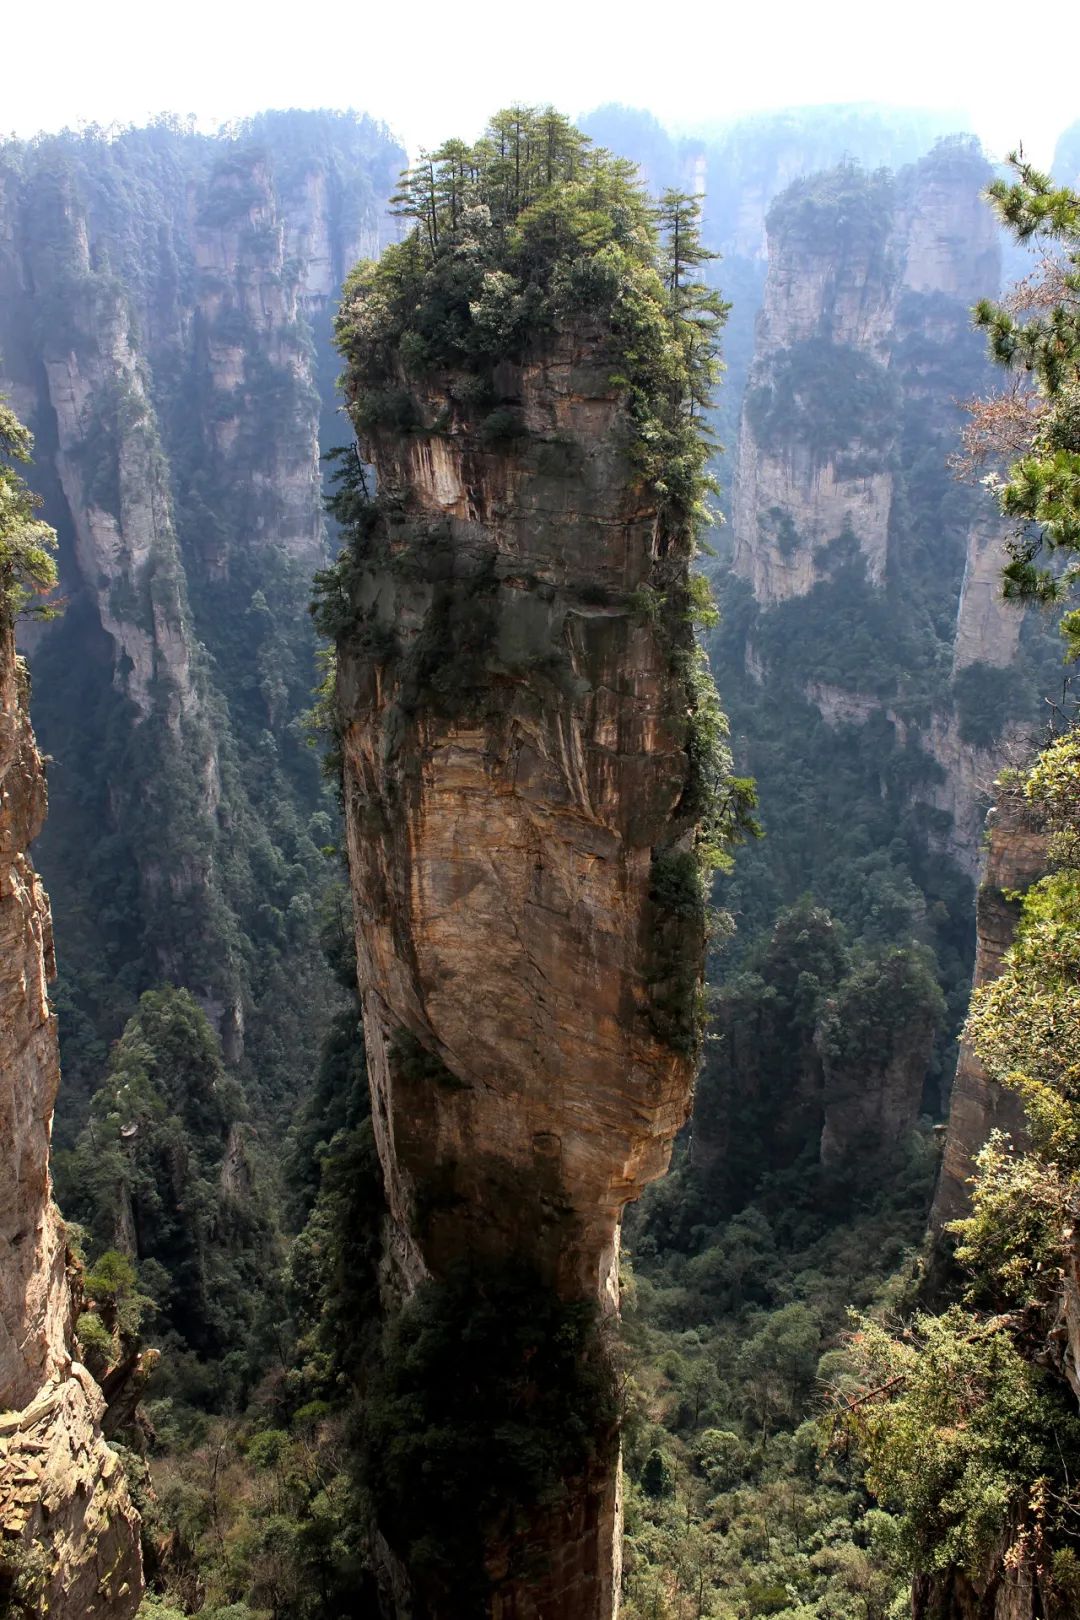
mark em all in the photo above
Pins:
pixel 26 543
pixel 517 239
pixel 513 236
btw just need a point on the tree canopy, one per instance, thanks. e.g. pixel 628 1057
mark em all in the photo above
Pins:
pixel 512 237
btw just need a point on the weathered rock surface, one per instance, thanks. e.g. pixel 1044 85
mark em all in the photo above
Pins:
pixel 792 496
pixel 165 333
pixel 987 627
pixel 1016 856
pixel 908 257
pixel 770 488
pixel 62 1489
pixel 513 755
pixel 255 284
pixel 869 291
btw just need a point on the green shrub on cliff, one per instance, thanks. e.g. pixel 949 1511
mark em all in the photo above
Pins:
pixel 27 568
pixel 845 206
pixel 966 1441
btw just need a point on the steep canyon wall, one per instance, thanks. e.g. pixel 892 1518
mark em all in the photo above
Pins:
pixel 843 492
pixel 69 1534
pixel 875 679
pixel 1016 857
pixel 165 304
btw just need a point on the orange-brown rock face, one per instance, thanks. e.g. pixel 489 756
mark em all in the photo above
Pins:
pixel 513 753
pixel 1016 857
pixel 61 1488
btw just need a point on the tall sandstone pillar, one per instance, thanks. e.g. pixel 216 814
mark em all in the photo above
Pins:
pixel 514 757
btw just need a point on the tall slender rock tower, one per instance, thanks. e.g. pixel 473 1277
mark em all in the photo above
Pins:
pixel 524 723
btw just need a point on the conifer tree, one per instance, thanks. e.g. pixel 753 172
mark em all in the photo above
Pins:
pixel 697 310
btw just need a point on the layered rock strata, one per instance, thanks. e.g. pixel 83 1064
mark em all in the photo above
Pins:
pixel 513 741
pixel 69 1535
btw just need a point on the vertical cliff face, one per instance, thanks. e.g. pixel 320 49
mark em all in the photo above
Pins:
pixel 69 1535
pixel 164 317
pixel 804 477
pixel 511 764
pixel 862 270
pixel 514 755
pixel 1016 856
pixel 252 270
pixel 843 498
pixel 108 454
pixel 987 627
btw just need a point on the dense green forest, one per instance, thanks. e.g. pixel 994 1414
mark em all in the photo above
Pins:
pixel 216 1155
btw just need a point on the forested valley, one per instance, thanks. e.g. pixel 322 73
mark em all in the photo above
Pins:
pixel 349 1363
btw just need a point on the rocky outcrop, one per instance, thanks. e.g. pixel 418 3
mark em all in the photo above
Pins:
pixel 1016 856
pixel 33 1278
pixel 951 242
pixel 84 368
pixel 69 1534
pixel 987 627
pixel 252 341
pixel 863 348
pixel 164 321
pixel 857 263
pixel 964 788
pixel 513 751
pixel 114 481
pixel 829 301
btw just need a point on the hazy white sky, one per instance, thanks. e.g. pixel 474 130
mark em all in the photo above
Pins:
pixel 434 70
